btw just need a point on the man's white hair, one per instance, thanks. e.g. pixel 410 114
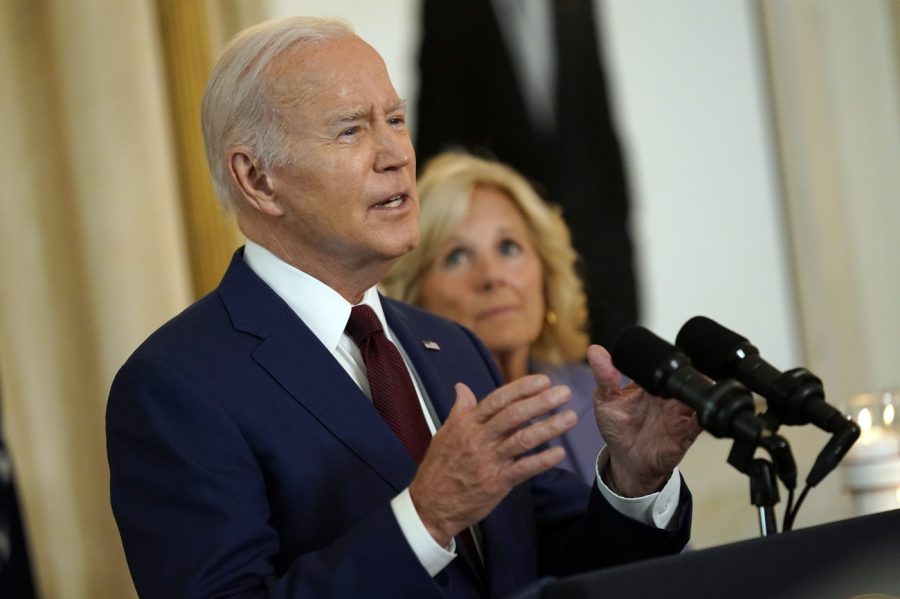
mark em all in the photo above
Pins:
pixel 237 107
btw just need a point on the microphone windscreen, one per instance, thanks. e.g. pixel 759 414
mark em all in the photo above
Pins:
pixel 642 356
pixel 711 347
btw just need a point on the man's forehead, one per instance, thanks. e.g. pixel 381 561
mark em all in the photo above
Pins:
pixel 316 62
pixel 336 71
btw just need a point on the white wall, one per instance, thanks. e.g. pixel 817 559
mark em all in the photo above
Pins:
pixel 688 81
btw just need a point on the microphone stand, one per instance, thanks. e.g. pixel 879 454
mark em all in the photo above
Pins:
pixel 763 487
pixel 764 495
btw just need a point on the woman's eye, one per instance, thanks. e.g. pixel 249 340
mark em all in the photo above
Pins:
pixel 508 247
pixel 455 258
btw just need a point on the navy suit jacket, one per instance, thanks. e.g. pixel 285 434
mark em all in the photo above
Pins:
pixel 245 462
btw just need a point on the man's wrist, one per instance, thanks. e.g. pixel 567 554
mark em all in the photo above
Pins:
pixel 629 487
pixel 432 556
pixel 657 509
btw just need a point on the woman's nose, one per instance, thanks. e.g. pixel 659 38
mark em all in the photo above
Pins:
pixel 489 273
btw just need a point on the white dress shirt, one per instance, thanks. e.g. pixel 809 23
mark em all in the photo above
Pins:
pixel 326 313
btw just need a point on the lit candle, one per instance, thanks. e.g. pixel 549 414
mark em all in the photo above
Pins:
pixel 871 470
pixel 875 444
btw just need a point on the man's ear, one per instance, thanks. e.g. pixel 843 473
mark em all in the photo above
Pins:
pixel 253 181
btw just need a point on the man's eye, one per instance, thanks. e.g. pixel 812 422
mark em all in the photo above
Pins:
pixel 349 132
pixel 395 121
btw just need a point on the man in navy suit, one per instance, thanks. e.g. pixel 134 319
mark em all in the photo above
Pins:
pixel 246 457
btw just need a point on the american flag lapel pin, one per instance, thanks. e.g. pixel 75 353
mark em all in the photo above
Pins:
pixel 432 345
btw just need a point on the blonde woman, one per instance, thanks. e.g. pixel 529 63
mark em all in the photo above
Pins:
pixel 495 258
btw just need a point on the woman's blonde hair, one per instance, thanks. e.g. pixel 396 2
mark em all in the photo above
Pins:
pixel 445 190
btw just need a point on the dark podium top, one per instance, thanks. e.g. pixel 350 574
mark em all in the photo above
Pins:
pixel 841 560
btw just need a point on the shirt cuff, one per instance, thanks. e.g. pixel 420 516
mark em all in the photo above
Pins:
pixel 657 509
pixel 432 556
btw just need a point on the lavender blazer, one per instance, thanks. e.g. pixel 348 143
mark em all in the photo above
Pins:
pixel 582 443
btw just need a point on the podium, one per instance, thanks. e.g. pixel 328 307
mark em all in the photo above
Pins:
pixel 858 557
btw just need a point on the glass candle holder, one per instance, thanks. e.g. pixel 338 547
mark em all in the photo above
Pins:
pixel 871 469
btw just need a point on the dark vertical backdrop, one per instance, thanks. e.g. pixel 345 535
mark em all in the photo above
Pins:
pixel 470 98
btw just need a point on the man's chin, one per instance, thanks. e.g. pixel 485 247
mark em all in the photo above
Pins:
pixel 389 252
pixel 393 256
pixel 401 249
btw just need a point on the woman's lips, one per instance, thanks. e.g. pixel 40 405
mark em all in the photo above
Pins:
pixel 498 311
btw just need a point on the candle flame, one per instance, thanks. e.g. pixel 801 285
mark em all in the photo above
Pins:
pixel 864 420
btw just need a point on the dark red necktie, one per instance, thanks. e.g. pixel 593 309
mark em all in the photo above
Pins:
pixel 393 393
pixel 392 388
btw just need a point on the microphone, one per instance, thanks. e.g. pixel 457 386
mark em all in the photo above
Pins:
pixel 794 397
pixel 724 408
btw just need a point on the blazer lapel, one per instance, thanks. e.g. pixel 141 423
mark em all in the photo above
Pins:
pixel 297 360
pixel 439 391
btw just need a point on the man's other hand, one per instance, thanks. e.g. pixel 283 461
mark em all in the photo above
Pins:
pixel 646 436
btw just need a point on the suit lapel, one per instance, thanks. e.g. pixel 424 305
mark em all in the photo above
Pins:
pixel 295 358
pixel 439 391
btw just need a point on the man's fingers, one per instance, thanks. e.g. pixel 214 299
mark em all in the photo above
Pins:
pixel 516 390
pixel 524 410
pixel 532 465
pixel 605 374
pixel 537 433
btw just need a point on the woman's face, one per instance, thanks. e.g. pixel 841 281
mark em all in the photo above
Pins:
pixel 488 275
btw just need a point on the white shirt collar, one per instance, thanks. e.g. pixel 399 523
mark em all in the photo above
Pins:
pixel 321 308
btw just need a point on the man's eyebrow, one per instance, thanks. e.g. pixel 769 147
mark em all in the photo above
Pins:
pixel 399 106
pixel 345 118
pixel 352 116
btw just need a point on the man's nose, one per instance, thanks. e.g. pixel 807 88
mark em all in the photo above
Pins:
pixel 393 149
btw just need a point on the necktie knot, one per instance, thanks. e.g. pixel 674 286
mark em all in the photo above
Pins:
pixel 362 324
